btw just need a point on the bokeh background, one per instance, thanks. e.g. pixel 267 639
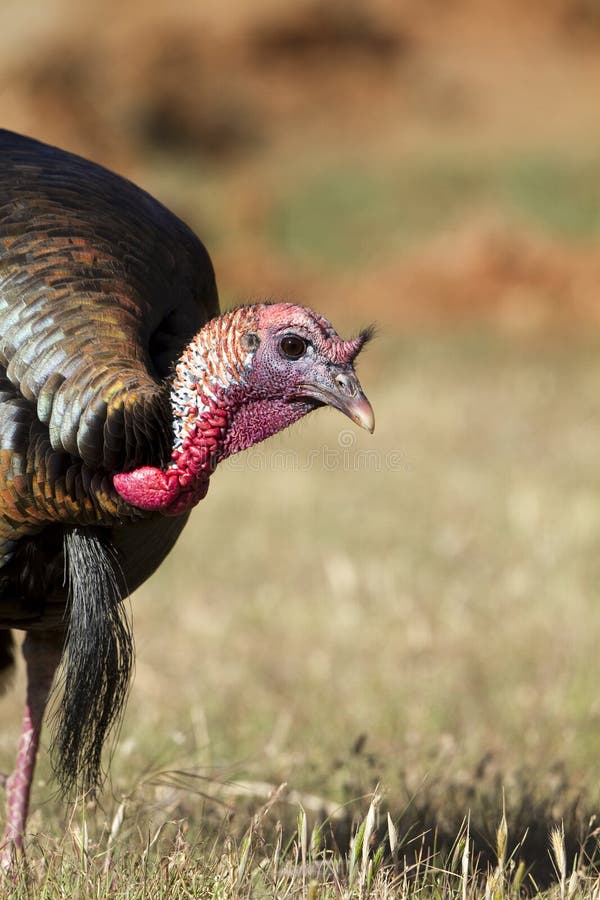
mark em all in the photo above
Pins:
pixel 417 609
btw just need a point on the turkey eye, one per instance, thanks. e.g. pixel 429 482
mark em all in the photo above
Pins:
pixel 293 347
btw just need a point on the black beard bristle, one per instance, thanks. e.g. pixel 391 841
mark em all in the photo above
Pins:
pixel 98 659
pixel 367 334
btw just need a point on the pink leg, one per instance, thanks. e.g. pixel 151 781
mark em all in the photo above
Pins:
pixel 42 651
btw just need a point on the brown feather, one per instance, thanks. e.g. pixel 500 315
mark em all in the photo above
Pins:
pixel 101 287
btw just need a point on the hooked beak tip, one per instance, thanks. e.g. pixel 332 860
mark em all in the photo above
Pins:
pixel 362 414
pixel 348 398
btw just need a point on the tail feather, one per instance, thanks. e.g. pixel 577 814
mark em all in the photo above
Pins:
pixel 7 660
pixel 98 659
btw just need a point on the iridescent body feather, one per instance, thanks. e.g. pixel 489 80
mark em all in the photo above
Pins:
pixel 121 389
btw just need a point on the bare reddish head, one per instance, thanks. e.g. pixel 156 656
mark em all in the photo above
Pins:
pixel 245 376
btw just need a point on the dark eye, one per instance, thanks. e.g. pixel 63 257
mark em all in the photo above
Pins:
pixel 292 346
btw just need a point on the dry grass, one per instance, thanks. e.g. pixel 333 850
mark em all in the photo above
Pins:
pixel 416 610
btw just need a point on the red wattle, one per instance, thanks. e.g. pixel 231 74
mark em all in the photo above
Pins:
pixel 147 488
pixel 172 492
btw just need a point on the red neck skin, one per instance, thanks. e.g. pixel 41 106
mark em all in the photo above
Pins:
pixel 184 483
pixel 233 421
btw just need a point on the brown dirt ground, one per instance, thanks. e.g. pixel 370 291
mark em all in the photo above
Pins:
pixel 245 87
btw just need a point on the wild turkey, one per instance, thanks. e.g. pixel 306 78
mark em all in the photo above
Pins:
pixel 121 389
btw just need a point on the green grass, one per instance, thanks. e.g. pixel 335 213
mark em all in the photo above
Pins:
pixel 562 197
pixel 417 610
pixel 347 215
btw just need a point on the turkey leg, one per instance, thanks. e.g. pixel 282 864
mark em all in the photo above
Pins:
pixel 42 652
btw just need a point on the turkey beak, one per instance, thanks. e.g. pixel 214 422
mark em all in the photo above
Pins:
pixel 346 395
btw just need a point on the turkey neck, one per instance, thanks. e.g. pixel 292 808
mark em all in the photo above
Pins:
pixel 205 393
pixel 203 390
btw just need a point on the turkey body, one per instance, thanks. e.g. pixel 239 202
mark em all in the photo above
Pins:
pixel 121 389
pixel 100 289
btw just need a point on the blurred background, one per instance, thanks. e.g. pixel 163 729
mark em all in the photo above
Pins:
pixel 419 608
